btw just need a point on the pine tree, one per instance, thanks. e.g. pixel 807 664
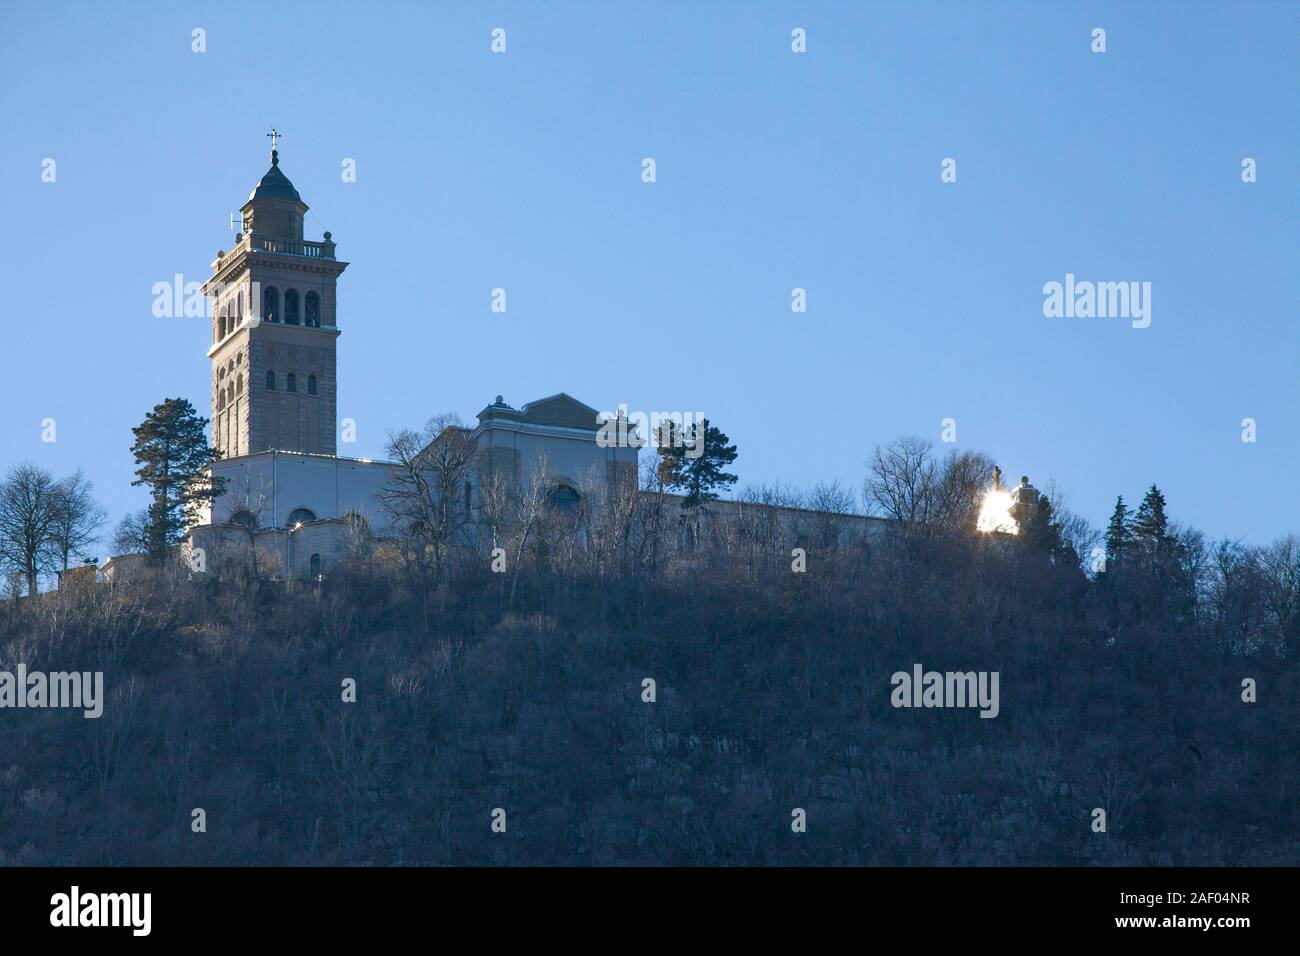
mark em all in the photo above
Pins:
pixel 171 448
pixel 684 466
pixel 1119 535
pixel 1150 526
pixel 1039 530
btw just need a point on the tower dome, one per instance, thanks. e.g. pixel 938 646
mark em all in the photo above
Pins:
pixel 275 184
pixel 274 209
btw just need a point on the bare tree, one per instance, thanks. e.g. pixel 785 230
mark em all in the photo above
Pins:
pixel 251 501
pixel 903 481
pixel 29 507
pixel 1280 566
pixel 832 497
pixel 962 481
pixel 829 501
pixel 77 519
pixel 530 511
pixel 651 511
pixel 429 493
pixel 132 533
pixel 765 520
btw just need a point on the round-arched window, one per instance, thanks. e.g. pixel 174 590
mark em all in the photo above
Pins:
pixel 311 384
pixel 270 304
pixel 312 303
pixel 291 306
pixel 563 499
pixel 301 516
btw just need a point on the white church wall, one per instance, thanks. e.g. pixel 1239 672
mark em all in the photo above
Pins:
pixel 569 457
pixel 275 484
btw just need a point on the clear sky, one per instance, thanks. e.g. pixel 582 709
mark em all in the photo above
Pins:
pixel 775 170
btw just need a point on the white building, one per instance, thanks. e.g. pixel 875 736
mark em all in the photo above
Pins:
pixel 274 392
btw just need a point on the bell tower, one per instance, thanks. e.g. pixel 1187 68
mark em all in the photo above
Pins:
pixel 274 328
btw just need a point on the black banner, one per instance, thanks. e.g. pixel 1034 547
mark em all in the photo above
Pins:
pixel 334 905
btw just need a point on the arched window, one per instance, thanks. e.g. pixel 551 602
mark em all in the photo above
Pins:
pixel 222 322
pixel 291 382
pixel 301 516
pixel 270 304
pixel 313 310
pixel 291 306
pixel 221 400
pixel 315 565
pixel 311 384
pixel 469 498
pixel 239 385
pixel 270 379
pixel 563 499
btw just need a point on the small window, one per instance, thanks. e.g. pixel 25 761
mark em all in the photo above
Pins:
pixel 291 382
pixel 301 516
pixel 291 306
pixel 270 379
pixel 313 310
pixel 311 384
pixel 315 565
pixel 270 305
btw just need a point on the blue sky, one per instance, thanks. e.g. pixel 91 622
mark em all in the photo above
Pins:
pixel 774 170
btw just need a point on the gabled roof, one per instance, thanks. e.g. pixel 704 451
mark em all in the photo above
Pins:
pixel 561 410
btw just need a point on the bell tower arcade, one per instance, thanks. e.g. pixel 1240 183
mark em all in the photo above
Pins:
pixel 274 329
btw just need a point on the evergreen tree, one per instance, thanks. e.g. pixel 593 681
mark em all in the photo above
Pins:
pixel 685 466
pixel 171 448
pixel 1119 535
pixel 1150 526
pixel 1039 531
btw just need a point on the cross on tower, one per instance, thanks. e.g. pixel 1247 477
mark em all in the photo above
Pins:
pixel 274 134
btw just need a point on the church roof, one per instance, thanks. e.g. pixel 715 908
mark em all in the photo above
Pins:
pixel 560 409
pixel 275 184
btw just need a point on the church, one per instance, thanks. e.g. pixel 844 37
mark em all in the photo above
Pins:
pixel 289 495
pixel 274 394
